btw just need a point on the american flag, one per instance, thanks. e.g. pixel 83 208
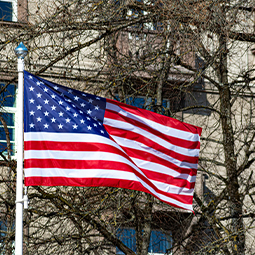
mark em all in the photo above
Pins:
pixel 77 139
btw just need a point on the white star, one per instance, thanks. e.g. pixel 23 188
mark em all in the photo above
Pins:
pixel 45 89
pixel 68 100
pixel 31 101
pixel 95 125
pixel 73 106
pixel 82 104
pixel 46 125
pixel 53 107
pixel 60 114
pixel 80 111
pixel 39 95
pixel 53 120
pixel 60 102
pixel 39 107
pixel 31 113
pixel 75 126
pixel 90 100
pixel 46 101
pixel 68 120
pixel 56 87
pixel 95 118
pixel 89 111
pixel 75 114
pixel 76 98
pixel 102 131
pixel 99 124
pixel 39 119
pixel 82 121
pixel 97 107
pixel 60 126
pixel 30 77
pixel 38 83
pixel 70 91
pixel 68 108
pixel 88 118
pixel 97 98
pixel 46 113
pixel 32 125
pixel 31 89
pixel 53 96
pixel 89 127
pixel 84 95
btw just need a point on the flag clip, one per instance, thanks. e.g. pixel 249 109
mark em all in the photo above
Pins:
pixel 25 199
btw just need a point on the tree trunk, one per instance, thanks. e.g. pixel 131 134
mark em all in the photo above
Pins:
pixel 234 200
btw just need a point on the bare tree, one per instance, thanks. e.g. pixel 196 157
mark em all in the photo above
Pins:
pixel 187 59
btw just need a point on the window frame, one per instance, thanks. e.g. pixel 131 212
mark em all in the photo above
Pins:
pixel 132 240
pixel 130 100
pixel 11 110
pixel 14 9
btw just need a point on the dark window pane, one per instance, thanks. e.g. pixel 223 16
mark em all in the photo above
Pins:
pixel 8 117
pixel 3 135
pixel 5 11
pixel 159 241
pixel 137 101
pixel 3 148
pixel 127 236
pixel 7 97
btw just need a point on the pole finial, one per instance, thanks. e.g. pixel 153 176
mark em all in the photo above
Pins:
pixel 21 51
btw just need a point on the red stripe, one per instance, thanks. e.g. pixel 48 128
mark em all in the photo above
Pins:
pixel 99 164
pixel 95 182
pixel 168 179
pixel 142 139
pixel 167 121
pixel 77 164
pixel 90 164
pixel 73 146
pixel 153 158
pixel 170 139
pixel 69 146
pixel 104 165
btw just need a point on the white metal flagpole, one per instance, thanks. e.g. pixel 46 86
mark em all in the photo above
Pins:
pixel 21 52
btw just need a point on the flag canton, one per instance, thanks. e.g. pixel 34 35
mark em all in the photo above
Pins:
pixel 50 107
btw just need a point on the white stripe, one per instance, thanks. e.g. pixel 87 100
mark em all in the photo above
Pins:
pixel 126 126
pixel 80 155
pixel 142 147
pixel 167 199
pixel 80 173
pixel 70 137
pixel 76 155
pixel 66 137
pixel 173 189
pixel 107 156
pixel 161 128
pixel 154 167
pixel 98 173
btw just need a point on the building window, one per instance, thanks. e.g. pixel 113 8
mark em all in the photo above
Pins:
pixel 8 10
pixel 8 114
pixel 153 25
pixel 145 103
pixel 160 242
pixel 3 233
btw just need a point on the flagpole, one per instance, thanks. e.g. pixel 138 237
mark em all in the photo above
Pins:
pixel 21 52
